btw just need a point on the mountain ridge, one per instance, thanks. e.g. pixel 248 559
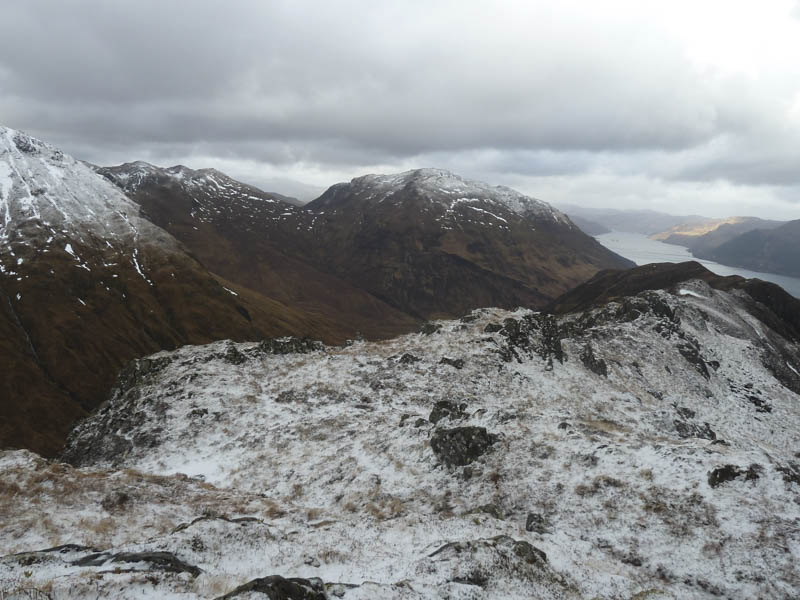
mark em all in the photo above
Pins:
pixel 599 453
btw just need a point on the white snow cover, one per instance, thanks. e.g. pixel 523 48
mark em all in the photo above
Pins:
pixel 448 189
pixel 619 477
pixel 52 203
pixel 46 195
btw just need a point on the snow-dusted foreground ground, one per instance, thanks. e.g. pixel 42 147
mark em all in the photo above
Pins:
pixel 650 453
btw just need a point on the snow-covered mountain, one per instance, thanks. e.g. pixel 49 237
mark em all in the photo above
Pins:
pixel 448 190
pixel 378 253
pixel 48 199
pixel 211 189
pixel 642 448
pixel 257 240
pixel 87 284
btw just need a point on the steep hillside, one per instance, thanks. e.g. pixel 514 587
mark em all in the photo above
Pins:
pixel 771 251
pixel 611 285
pixel 644 448
pixel 86 285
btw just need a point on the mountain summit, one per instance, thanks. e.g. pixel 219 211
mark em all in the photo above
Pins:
pixel 47 197
pixel 441 187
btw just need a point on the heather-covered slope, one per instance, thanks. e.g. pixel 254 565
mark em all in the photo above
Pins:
pixel 433 243
pixel 641 449
pixel 257 240
pixel 86 285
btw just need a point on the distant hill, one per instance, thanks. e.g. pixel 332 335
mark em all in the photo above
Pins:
pixel 703 238
pixel 774 250
pixel 646 222
pixel 434 244
pixel 588 226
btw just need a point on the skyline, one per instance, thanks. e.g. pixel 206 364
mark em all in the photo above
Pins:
pixel 678 108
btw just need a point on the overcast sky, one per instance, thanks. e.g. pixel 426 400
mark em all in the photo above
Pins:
pixel 684 107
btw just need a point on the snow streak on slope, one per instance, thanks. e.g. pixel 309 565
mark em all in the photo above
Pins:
pixel 642 449
pixel 215 196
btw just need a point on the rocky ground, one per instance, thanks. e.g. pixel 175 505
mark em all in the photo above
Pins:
pixel 644 449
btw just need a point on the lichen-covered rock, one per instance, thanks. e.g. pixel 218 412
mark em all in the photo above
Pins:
pixel 430 328
pixel 408 359
pixel 456 363
pixel 726 473
pixel 692 430
pixel 159 561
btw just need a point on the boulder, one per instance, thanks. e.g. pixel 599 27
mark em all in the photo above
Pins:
pixel 461 445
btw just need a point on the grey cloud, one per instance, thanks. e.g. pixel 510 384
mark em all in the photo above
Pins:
pixel 543 90
pixel 188 70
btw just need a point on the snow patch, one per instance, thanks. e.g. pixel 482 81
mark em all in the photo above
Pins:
pixel 685 292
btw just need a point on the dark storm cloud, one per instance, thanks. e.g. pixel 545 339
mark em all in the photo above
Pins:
pixel 541 88
pixel 182 71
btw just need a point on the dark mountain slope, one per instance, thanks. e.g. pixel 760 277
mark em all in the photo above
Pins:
pixel 377 254
pixel 257 240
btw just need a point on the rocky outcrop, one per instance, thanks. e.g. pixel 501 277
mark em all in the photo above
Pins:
pixel 276 587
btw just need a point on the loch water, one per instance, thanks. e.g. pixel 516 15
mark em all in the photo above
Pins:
pixel 642 250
